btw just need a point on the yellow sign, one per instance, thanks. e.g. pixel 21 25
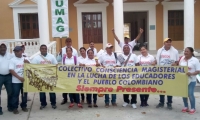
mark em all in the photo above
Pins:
pixel 121 80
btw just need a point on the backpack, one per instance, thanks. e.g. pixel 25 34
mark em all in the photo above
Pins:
pixel 64 57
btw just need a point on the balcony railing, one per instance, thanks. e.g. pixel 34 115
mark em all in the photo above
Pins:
pixel 31 45
pixel 51 49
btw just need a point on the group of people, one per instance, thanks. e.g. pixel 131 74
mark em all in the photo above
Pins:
pixel 11 71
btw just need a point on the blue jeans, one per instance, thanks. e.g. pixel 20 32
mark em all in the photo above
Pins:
pixel 191 87
pixel 89 98
pixel 17 87
pixel 43 98
pixel 162 99
pixel 6 80
pixel 107 101
pixel 74 98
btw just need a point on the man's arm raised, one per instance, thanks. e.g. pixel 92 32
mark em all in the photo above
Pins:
pixel 115 36
pixel 139 35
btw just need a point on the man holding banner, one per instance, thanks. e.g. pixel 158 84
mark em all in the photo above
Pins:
pixel 16 68
pixel 128 59
pixel 45 58
pixel 167 56
pixel 109 59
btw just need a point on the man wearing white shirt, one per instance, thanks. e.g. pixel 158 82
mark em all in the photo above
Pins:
pixel 109 59
pixel 127 41
pixel 93 48
pixel 45 58
pixel 16 68
pixel 68 43
pixel 5 76
pixel 167 56
pixel 24 55
pixel 130 60
pixel 23 50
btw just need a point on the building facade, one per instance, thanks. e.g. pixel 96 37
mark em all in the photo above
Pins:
pixel 93 20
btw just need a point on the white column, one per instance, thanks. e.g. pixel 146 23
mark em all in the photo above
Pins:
pixel 118 22
pixel 188 23
pixel 43 21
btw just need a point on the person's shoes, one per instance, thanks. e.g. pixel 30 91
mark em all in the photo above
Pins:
pixel 42 107
pixel 71 105
pixel 134 106
pixel 114 104
pixel 28 98
pixel 80 106
pixel 54 106
pixel 15 111
pixel 107 105
pixel 90 105
pixel 142 104
pixel 125 104
pixel 63 102
pixel 146 104
pixel 160 105
pixel 95 105
pixel 192 111
pixel 169 106
pixel 184 110
pixel 25 109
pixel 1 112
pixel 10 109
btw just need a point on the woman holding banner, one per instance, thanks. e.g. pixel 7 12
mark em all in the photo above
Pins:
pixel 145 59
pixel 193 69
pixel 69 59
pixel 91 61
pixel 80 62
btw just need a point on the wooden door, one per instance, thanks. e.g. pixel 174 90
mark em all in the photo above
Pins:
pixel 92 28
pixel 29 26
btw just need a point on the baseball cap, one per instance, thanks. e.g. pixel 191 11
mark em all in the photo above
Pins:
pixel 17 48
pixel 167 39
pixel 19 44
pixel 126 37
pixel 108 45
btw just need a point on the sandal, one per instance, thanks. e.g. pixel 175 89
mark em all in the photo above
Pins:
pixel 95 105
pixel 71 105
pixel 90 105
pixel 79 105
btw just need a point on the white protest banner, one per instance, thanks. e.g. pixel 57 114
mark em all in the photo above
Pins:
pixel 60 22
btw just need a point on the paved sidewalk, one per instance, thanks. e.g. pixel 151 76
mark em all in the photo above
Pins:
pixel 113 113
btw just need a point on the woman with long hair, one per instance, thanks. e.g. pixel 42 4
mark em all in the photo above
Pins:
pixel 193 65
